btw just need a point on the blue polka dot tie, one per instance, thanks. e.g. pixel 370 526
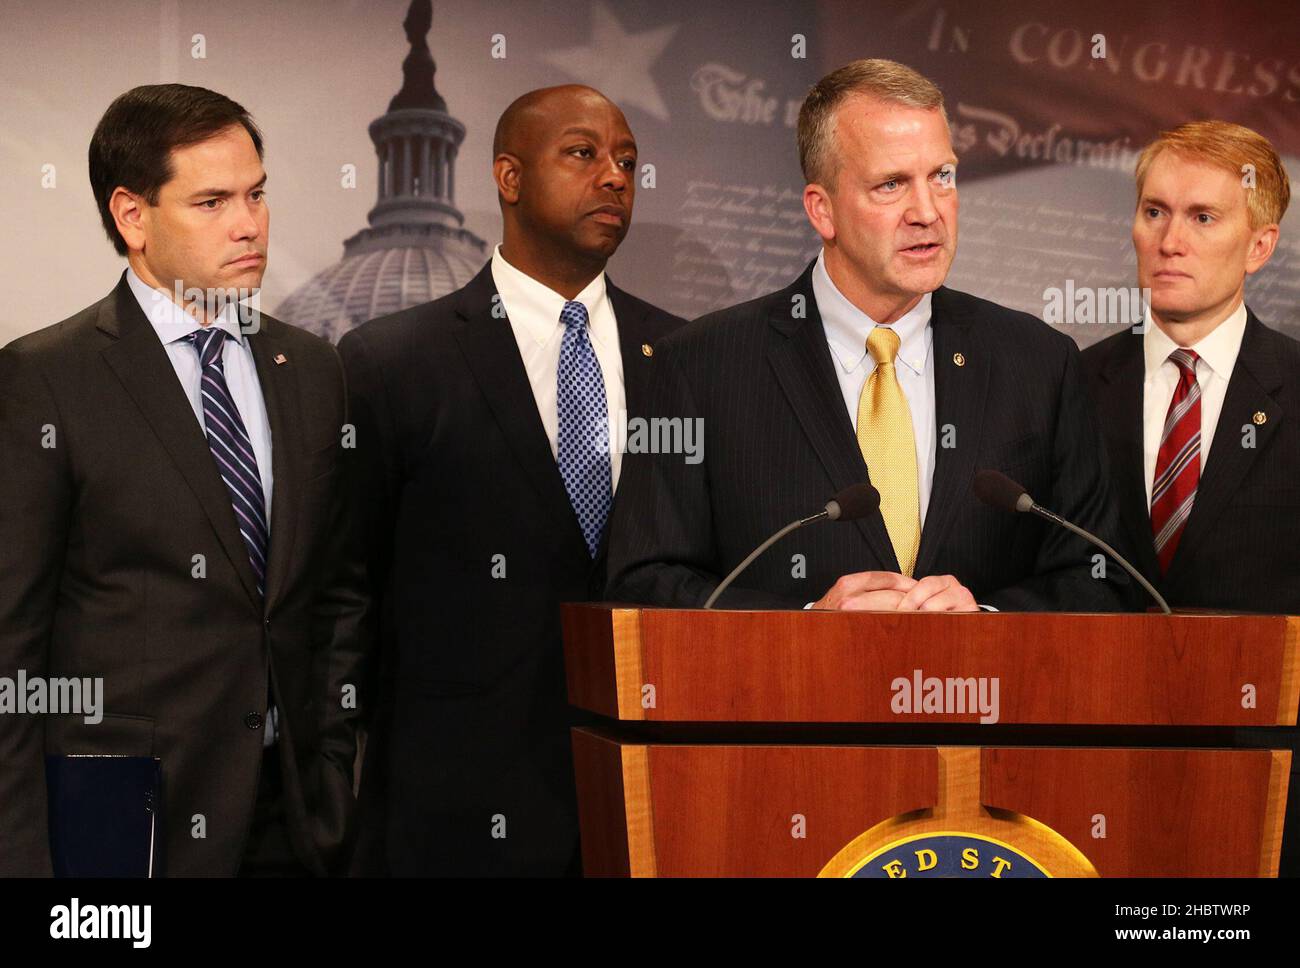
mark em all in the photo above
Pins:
pixel 583 439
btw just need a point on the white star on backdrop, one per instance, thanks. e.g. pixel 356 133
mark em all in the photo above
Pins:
pixel 617 63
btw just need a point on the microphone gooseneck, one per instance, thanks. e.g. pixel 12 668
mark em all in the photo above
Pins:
pixel 997 490
pixel 853 502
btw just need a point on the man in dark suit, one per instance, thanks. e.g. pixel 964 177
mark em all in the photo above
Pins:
pixel 1223 531
pixel 1218 529
pixel 486 473
pixel 866 368
pixel 168 511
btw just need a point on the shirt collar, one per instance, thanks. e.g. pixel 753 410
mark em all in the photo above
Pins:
pixel 1218 348
pixel 847 327
pixel 536 307
pixel 170 321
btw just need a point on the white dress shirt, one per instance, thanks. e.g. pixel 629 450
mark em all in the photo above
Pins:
pixel 173 324
pixel 1218 351
pixel 847 328
pixel 534 313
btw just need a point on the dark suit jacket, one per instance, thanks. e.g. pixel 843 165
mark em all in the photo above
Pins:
pixel 474 545
pixel 97 542
pixel 1240 549
pixel 779 443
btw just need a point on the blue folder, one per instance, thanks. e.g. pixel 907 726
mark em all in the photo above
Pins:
pixel 105 814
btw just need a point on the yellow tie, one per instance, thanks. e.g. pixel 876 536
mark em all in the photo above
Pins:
pixel 889 448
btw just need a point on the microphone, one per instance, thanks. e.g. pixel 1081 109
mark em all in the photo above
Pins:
pixel 997 490
pixel 855 501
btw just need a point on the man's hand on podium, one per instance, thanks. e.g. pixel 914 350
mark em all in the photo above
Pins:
pixel 886 591
pixel 938 593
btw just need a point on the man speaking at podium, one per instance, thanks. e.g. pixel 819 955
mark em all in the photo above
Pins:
pixel 867 368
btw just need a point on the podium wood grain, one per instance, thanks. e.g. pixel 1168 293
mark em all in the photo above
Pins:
pixel 809 667
pixel 719 757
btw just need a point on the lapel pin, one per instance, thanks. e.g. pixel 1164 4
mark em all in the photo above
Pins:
pixel 280 358
pixel 1259 418
pixel 959 359
pixel 647 349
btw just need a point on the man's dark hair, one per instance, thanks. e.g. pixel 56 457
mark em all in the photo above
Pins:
pixel 133 141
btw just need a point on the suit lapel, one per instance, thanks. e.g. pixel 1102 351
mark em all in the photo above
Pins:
pixel 801 362
pixel 1255 378
pixel 283 409
pixel 1120 405
pixel 140 362
pixel 960 395
pixel 633 336
pixel 489 346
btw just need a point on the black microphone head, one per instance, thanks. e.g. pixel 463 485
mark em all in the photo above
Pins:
pixel 855 501
pixel 997 490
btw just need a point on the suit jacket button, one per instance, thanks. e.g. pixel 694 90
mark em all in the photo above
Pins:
pixel 253 720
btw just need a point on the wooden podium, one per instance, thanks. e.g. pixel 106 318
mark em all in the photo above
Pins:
pixel 886 744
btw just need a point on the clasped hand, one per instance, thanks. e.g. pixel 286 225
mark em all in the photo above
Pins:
pixel 888 591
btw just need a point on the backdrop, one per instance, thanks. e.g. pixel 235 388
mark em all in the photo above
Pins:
pixel 1049 102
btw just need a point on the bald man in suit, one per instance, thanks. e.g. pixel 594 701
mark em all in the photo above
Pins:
pixel 488 473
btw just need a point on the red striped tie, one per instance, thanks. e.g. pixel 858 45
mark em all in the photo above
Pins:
pixel 1178 464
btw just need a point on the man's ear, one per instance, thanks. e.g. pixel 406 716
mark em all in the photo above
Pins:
pixel 128 212
pixel 1262 243
pixel 817 206
pixel 506 172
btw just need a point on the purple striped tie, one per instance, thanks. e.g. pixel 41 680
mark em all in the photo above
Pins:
pixel 232 450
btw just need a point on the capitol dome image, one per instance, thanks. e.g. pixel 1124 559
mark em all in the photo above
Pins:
pixel 416 247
